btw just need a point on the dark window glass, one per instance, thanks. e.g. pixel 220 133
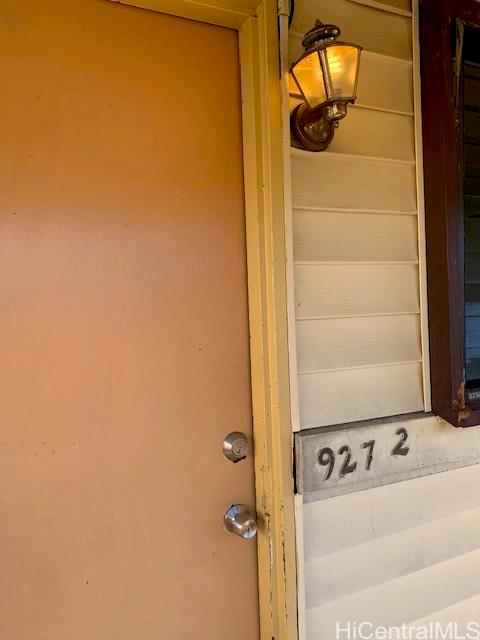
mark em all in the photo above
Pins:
pixel 471 200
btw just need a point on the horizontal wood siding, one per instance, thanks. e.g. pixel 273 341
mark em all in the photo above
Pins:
pixel 326 290
pixel 354 183
pixel 376 30
pixel 323 344
pixel 405 552
pixel 385 83
pixel 386 510
pixel 338 575
pixel 389 135
pixel 327 236
pixel 347 395
pixel 402 7
pixel 463 612
pixel 355 231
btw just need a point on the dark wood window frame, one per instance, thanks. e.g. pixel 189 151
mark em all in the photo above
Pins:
pixel 443 167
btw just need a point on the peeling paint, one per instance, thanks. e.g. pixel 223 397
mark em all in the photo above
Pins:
pixel 459 402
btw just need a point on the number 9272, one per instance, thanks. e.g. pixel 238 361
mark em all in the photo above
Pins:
pixel 344 460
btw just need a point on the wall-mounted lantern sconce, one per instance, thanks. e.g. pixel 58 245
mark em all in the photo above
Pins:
pixel 326 75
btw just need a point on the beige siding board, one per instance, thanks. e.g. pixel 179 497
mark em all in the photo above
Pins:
pixel 383 83
pixel 335 397
pixel 333 236
pixel 402 7
pixel 375 30
pixel 355 289
pixel 461 612
pixel 404 599
pixel 410 552
pixel 331 180
pixel 366 565
pixel 353 342
pixel 377 134
pixel 405 5
pixel 385 510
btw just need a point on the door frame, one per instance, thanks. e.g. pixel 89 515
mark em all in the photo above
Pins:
pixel 257 24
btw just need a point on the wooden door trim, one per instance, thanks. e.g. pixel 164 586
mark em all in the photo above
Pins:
pixel 257 24
pixel 220 12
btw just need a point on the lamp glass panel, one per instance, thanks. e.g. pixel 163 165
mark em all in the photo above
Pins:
pixel 342 61
pixel 293 89
pixel 308 73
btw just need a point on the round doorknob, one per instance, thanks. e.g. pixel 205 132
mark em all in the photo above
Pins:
pixel 239 520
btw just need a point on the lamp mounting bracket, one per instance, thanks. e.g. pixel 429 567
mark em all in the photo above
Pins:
pixel 309 130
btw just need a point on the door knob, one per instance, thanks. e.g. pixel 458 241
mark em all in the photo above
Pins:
pixel 239 520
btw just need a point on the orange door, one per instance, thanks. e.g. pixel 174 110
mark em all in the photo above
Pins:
pixel 123 323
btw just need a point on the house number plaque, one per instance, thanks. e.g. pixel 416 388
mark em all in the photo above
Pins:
pixel 339 460
pixel 348 464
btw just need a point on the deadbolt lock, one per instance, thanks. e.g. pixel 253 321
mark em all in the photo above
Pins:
pixel 239 520
pixel 235 446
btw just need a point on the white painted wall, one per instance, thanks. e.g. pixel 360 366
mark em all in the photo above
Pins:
pixel 407 551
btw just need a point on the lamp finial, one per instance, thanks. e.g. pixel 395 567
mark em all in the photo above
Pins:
pixel 319 33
